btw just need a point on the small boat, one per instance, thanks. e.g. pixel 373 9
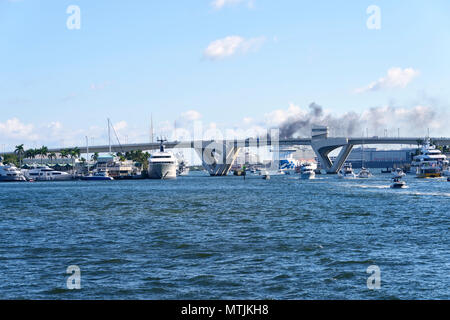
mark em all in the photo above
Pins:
pixel 347 172
pixel 266 175
pixel 98 176
pixel 307 171
pixel 398 183
pixel 364 173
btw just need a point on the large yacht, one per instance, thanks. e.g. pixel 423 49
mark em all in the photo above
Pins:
pixel 430 163
pixel 9 173
pixel 162 164
pixel 307 170
pixel 44 173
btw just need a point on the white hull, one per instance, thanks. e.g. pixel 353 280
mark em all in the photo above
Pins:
pixel 162 171
pixel 59 178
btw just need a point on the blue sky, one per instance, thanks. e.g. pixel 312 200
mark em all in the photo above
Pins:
pixel 133 58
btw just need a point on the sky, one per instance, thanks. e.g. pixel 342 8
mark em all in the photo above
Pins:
pixel 238 65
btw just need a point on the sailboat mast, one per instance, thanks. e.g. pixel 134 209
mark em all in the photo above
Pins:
pixel 87 153
pixel 109 135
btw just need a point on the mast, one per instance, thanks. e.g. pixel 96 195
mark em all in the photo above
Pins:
pixel 151 128
pixel 109 135
pixel 87 153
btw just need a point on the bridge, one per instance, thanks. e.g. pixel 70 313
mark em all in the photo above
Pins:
pixel 218 156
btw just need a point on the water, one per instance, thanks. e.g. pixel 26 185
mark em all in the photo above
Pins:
pixel 225 238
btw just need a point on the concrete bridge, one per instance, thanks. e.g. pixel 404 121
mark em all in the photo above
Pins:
pixel 218 156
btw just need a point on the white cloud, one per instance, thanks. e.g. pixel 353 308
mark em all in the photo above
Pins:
pixel 219 4
pixel 395 78
pixel 231 45
pixel 279 116
pixel 100 86
pixel 14 129
pixel 191 115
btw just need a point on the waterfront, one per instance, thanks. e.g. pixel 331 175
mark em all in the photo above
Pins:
pixel 200 237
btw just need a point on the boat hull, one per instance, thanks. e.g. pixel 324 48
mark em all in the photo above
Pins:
pixel 162 171
pixel 96 178
pixel 13 179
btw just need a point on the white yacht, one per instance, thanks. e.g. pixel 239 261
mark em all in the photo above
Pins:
pixel 307 170
pixel 9 173
pixel 44 173
pixel 162 164
pixel 430 163
pixel 347 172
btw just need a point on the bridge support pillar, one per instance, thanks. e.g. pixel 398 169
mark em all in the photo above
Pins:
pixel 217 158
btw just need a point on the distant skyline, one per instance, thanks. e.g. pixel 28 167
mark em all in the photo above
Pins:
pixel 236 65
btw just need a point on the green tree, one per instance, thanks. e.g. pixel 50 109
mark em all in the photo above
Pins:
pixel 20 151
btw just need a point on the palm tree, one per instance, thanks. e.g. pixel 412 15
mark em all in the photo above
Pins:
pixel 43 151
pixel 74 153
pixel 20 151
pixel 64 153
pixel 52 156
pixel 95 156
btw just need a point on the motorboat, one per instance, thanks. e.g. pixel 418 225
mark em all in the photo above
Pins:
pixel 98 176
pixel 307 170
pixel 44 173
pixel 10 173
pixel 162 165
pixel 398 183
pixel 364 173
pixel 266 175
pixel 347 172
pixel 183 167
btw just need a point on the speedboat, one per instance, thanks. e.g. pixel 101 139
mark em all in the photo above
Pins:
pixel 398 173
pixel 45 173
pixel 398 183
pixel 307 171
pixel 98 176
pixel 364 173
pixel 9 173
pixel 162 165
pixel 347 172
pixel 183 167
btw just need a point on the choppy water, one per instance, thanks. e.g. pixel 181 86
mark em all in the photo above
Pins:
pixel 225 238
